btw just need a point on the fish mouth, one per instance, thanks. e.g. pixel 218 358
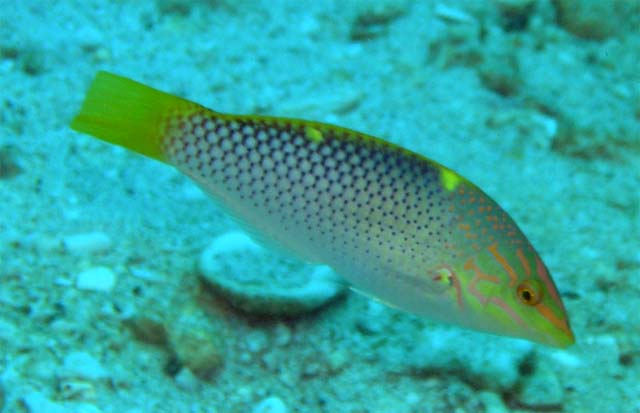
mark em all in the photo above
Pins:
pixel 563 340
pixel 567 340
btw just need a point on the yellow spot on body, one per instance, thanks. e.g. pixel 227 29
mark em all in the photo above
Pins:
pixel 313 134
pixel 449 179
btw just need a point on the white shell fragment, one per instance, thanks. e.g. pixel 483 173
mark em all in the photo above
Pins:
pixel 86 243
pixel 452 15
pixel 271 405
pixel 82 365
pixel 96 279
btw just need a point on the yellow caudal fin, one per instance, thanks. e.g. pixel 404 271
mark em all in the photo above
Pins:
pixel 129 114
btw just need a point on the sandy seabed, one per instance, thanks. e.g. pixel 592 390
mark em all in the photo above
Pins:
pixel 537 103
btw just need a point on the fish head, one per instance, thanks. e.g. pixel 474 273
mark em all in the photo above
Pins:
pixel 510 291
pixel 502 286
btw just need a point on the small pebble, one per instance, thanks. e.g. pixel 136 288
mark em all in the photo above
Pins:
pixel 192 192
pixel 75 389
pixel 271 405
pixel 373 12
pixel 36 402
pixel 566 359
pixel 244 392
pixel 82 365
pixel 96 279
pixel 412 398
pixel 338 359
pixel 101 55
pixel 530 125
pixel 89 37
pixel 373 17
pixel 500 72
pixel 186 380
pixel 87 243
pixel 372 321
pixel 453 15
pixel 282 335
pixel 256 341
pixel 147 330
pixel 197 341
pixel 311 369
pixel 146 274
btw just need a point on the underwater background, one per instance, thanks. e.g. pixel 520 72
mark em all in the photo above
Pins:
pixel 123 288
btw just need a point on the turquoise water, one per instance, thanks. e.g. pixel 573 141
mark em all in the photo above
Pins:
pixel 103 304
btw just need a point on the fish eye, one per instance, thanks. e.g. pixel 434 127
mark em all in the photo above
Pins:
pixel 529 292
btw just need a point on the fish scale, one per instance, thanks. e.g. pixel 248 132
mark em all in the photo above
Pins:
pixel 400 227
pixel 318 186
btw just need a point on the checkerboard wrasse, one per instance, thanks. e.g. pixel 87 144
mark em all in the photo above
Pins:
pixel 399 227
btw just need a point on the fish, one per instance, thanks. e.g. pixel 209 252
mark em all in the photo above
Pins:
pixel 396 225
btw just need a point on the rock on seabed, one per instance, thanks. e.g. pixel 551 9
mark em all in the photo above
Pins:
pixel 258 281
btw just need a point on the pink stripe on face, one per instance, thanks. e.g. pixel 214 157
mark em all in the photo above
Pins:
pixel 524 262
pixel 513 278
pixel 515 317
pixel 544 276
pixel 480 276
